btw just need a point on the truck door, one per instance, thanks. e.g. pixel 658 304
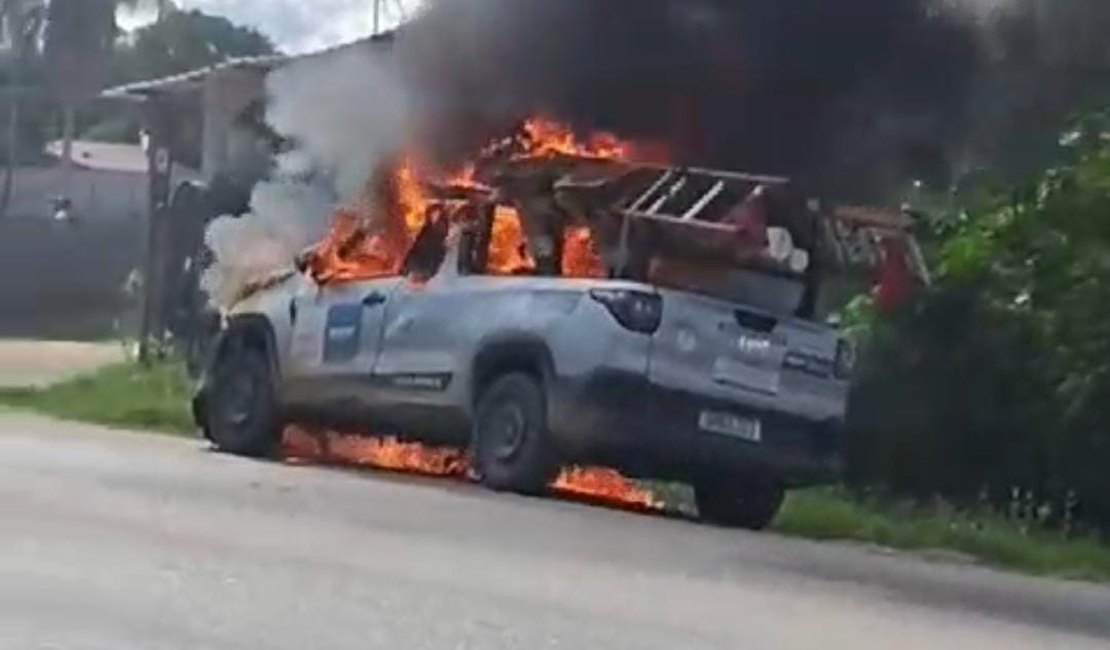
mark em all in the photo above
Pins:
pixel 420 355
pixel 337 333
pixel 420 350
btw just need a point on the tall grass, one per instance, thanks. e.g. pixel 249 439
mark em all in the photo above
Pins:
pixel 123 395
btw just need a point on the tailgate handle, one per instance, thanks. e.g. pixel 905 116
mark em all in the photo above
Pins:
pixel 756 322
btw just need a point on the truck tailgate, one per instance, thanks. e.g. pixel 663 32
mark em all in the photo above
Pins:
pixel 761 362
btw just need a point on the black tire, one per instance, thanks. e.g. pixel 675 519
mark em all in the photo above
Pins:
pixel 511 447
pixel 241 409
pixel 744 504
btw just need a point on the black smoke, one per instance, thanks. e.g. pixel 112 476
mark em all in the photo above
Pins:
pixel 849 96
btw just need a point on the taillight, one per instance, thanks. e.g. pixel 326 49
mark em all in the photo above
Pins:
pixel 845 362
pixel 634 310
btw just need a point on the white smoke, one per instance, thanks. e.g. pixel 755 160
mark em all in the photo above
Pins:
pixel 285 219
pixel 343 111
pixel 980 8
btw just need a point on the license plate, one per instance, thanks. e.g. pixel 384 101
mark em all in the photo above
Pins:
pixel 734 426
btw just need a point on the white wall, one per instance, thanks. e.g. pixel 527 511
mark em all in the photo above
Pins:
pixel 226 95
pixel 66 280
pixel 96 194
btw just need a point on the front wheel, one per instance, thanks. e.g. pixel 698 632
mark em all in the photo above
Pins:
pixel 242 414
pixel 751 504
pixel 511 447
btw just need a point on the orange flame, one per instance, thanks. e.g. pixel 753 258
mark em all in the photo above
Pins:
pixel 580 258
pixel 359 247
pixel 371 238
pixel 604 484
pixel 300 445
pixel 542 137
pixel 507 253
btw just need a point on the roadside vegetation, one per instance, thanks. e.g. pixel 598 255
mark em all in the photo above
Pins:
pixel 156 398
pixel 939 529
pixel 990 390
pixel 123 395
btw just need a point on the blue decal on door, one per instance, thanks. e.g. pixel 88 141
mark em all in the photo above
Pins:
pixel 342 333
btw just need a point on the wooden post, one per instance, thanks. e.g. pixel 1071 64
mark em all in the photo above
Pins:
pixel 157 116
pixel 69 128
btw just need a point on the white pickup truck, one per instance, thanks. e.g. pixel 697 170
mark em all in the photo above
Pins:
pixel 742 397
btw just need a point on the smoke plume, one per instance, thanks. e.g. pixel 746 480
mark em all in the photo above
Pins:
pixel 849 97
pixel 285 217
pixel 846 96
pixel 341 113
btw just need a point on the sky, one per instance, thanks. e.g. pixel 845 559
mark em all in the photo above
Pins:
pixel 296 25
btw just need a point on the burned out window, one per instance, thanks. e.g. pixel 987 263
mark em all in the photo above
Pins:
pixel 506 250
pixel 509 253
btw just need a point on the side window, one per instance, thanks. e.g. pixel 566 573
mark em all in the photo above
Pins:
pixel 494 243
pixel 509 254
pixel 499 246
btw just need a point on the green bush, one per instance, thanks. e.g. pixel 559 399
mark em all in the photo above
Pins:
pixel 994 386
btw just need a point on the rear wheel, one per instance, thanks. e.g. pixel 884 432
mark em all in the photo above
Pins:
pixel 242 410
pixel 511 447
pixel 751 504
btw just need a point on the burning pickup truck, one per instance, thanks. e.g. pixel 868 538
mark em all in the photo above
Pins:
pixel 565 309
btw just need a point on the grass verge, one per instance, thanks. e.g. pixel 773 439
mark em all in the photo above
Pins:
pixel 122 395
pixel 833 514
pixel 156 398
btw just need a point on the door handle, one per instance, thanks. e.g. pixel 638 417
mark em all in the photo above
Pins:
pixel 373 300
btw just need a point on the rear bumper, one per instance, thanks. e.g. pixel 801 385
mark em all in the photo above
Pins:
pixel 623 420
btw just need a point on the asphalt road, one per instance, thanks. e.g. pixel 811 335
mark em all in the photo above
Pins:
pixel 122 541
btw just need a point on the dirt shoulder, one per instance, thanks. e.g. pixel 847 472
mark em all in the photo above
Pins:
pixel 26 363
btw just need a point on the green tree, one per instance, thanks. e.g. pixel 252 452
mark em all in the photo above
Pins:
pixel 183 41
pixel 80 38
pixel 22 22
pixel 995 384
pixel 179 42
